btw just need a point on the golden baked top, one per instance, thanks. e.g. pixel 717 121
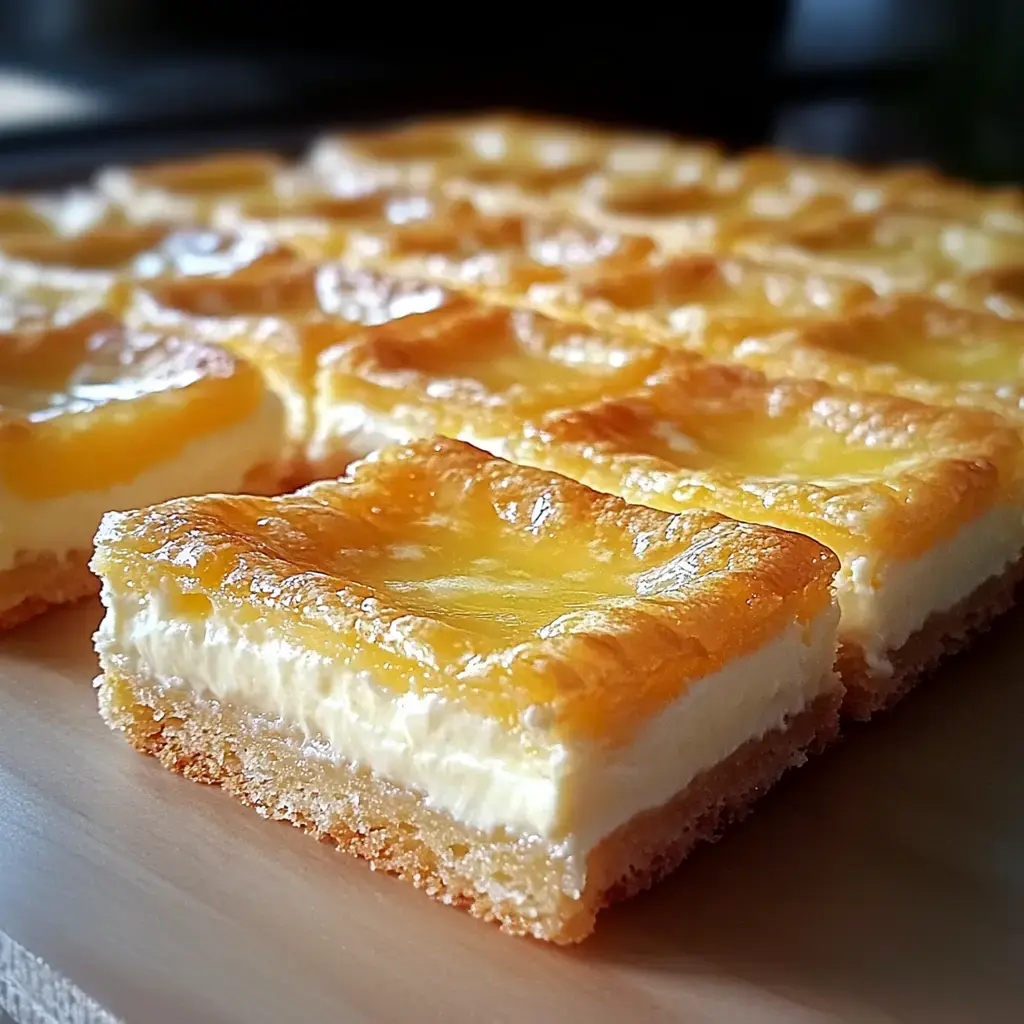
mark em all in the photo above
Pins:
pixel 862 473
pixel 478 371
pixel 892 250
pixel 513 591
pixel 908 345
pixel 72 396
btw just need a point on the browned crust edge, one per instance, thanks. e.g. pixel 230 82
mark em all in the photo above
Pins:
pixel 942 636
pixel 633 858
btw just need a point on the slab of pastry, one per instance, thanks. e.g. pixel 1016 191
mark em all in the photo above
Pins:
pixel 281 314
pixel 525 697
pixel 95 417
pixel 921 504
pixel 476 373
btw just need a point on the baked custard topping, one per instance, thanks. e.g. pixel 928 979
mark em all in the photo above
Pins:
pixel 864 474
pixel 69 396
pixel 911 346
pixel 522 595
pixel 478 368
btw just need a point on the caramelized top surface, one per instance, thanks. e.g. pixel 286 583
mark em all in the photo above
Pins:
pixel 442 570
pixel 910 346
pixel 92 404
pixel 864 474
pixel 481 369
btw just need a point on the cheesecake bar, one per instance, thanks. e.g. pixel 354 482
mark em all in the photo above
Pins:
pixel 525 697
pixel 476 373
pixel 907 345
pixel 922 504
pixel 94 417
pixel 281 314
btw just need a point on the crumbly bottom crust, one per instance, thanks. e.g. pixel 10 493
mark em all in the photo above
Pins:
pixel 943 635
pixel 529 886
pixel 39 581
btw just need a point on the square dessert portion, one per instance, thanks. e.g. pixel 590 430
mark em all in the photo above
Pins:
pixel 922 505
pixel 280 314
pixel 528 698
pixel 94 417
pixel 908 345
pixel 476 373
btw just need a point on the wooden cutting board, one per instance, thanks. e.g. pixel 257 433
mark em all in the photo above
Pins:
pixel 884 882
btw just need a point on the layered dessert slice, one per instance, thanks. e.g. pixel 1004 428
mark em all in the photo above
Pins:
pixel 921 504
pixel 690 300
pixel 280 315
pixel 477 373
pixel 525 697
pixel 912 346
pixel 95 417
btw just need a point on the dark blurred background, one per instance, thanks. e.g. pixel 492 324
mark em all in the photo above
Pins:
pixel 84 82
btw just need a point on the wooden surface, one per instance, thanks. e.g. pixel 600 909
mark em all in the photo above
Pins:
pixel 883 883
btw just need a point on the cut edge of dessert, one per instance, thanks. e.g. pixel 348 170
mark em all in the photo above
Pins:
pixel 96 415
pixel 557 834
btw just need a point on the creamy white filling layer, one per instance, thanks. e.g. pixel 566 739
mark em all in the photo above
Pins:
pixel 880 614
pixel 218 462
pixel 477 770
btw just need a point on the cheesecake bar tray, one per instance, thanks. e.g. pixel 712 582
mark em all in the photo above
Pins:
pixel 511 504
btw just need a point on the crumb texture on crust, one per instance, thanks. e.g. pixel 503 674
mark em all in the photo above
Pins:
pixel 944 635
pixel 528 588
pixel 527 887
pixel 38 582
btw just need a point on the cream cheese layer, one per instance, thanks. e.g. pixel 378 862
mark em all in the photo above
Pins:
pixel 526 782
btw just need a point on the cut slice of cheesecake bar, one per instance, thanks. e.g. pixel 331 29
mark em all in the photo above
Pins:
pixel 922 504
pixel 526 697
pixel 477 373
pixel 95 417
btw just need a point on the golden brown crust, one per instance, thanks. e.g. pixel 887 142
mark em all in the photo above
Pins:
pixel 398 833
pixel 942 636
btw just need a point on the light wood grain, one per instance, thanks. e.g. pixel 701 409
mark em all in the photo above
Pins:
pixel 885 882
